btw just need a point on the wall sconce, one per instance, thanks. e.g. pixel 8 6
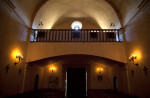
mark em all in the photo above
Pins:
pixel 132 58
pixel 52 69
pixel 100 70
pixel 19 57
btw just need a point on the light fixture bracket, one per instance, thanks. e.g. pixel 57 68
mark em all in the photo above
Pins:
pixel 132 58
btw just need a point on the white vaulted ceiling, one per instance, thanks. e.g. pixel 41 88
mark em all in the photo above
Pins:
pixel 98 12
pixel 56 10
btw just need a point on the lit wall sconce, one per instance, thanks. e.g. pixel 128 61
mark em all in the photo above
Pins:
pixel 19 57
pixel 52 69
pixel 132 58
pixel 99 70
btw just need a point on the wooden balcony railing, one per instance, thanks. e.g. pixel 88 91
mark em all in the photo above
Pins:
pixel 70 35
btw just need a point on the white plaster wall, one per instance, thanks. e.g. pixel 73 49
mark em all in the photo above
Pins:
pixel 13 36
pixel 111 50
pixel 47 73
pixel 31 73
pixel 86 23
pixel 106 83
pixel 137 35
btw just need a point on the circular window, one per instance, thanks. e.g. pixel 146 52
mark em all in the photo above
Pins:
pixel 76 25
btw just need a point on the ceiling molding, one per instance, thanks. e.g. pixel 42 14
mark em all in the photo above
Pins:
pixel 8 4
pixel 142 6
pixel 11 8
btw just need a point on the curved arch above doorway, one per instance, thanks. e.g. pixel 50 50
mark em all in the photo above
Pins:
pixel 38 51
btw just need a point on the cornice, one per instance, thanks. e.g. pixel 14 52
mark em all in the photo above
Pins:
pixel 11 7
pixel 142 6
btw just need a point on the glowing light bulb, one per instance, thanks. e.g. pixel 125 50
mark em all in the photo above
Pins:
pixel 76 25
pixel 76 28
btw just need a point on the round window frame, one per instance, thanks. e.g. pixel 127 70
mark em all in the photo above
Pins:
pixel 76 24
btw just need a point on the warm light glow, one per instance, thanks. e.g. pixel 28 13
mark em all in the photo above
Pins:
pixel 132 56
pixel 100 69
pixel 15 53
pixel 138 54
pixel 52 68
pixel 19 55
pixel 135 57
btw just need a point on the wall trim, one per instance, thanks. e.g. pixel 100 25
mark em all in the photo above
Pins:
pixel 142 6
pixel 9 5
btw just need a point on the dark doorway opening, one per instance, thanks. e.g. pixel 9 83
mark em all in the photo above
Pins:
pixel 115 84
pixel 76 82
pixel 36 82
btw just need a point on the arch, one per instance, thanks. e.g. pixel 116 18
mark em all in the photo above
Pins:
pixel 36 82
pixel 36 10
pixel 102 9
pixel 68 57
pixel 116 10
pixel 115 84
pixel 51 50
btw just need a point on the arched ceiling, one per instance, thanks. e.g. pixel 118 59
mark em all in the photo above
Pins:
pixel 99 12
pixel 126 8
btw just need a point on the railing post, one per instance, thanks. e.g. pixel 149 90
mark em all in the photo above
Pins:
pixel 49 35
pixel 43 31
pixel 52 35
pixel 56 36
pixel 87 35
pixel 34 36
pixel 84 36
pixel 103 35
pixel 71 35
pixel 30 33
pixel 98 35
pixel 118 36
pixel 68 35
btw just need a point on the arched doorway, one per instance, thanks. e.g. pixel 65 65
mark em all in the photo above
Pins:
pixel 36 82
pixel 115 84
